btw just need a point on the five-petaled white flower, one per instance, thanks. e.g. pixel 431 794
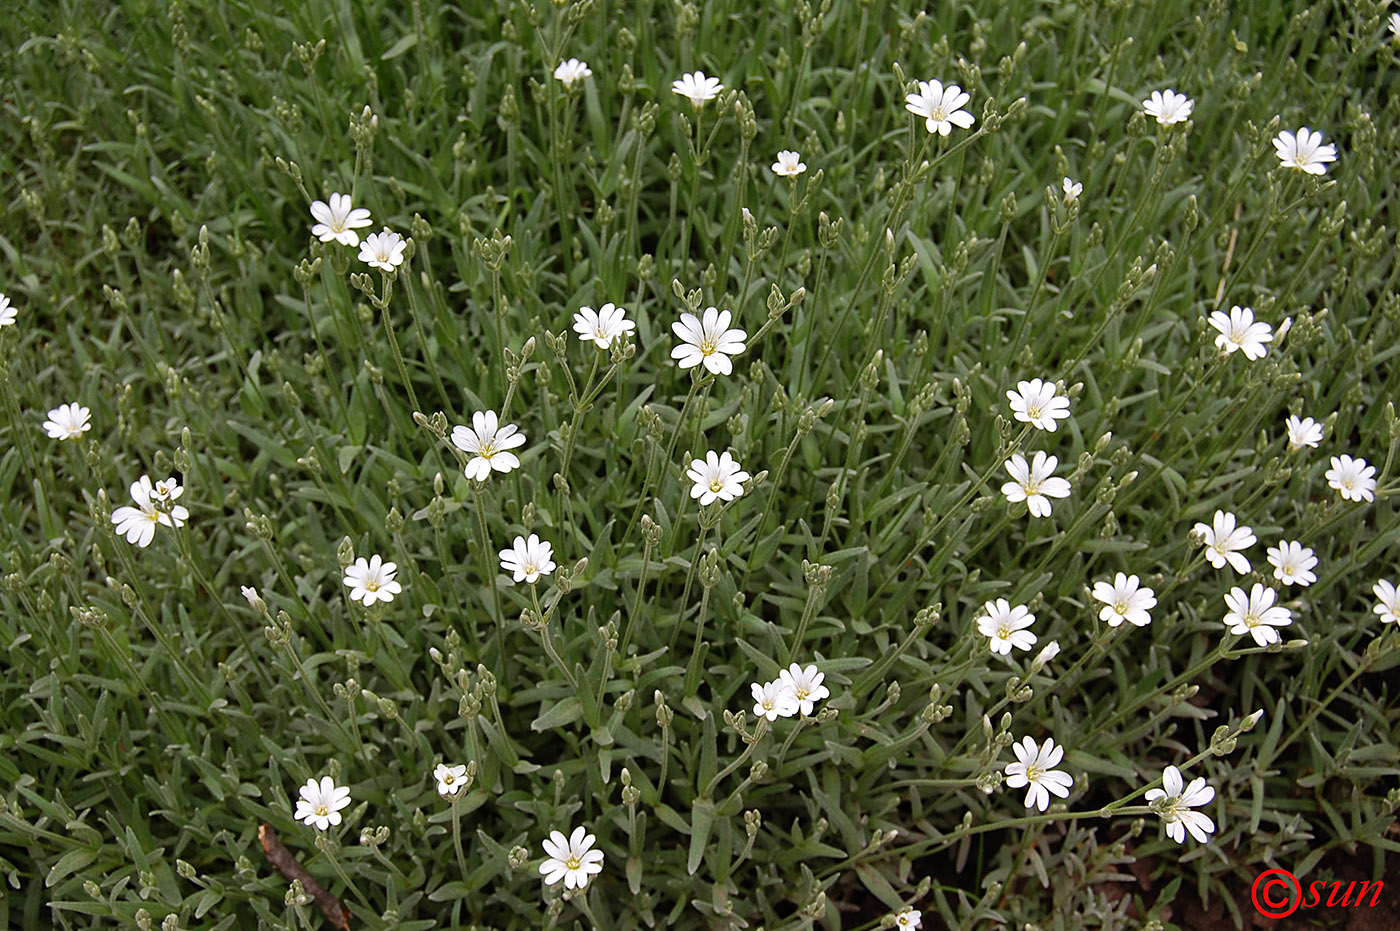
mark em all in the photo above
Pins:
pixel 697 87
pixel 1125 601
pixel 1036 483
pixel 371 580
pixel 707 339
pixel 528 559
pixel 789 164
pixel 1035 767
pixel 717 476
pixel 773 700
pixel 1168 106
pixel 383 251
pixel 1239 330
pixel 940 107
pixel 450 779
pixel 907 920
pixel 1072 191
pixel 490 442
pixel 602 326
pixel 1006 626
pixel 1176 801
pixel 320 803
pixel 1352 478
pixel 7 311
pixel 572 70
pixel 571 858
pixel 1256 614
pixel 1293 563
pixel 1305 432
pixel 68 422
pixel 1387 604
pixel 138 524
pixel 1305 151
pixel 805 684
pixel 338 220
pixel 1035 402
pixel 1224 539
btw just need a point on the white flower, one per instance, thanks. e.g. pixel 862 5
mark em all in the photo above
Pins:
pixel 1035 402
pixel 1072 191
pixel 383 250
pixel 907 920
pixel 1352 478
pixel 1223 540
pixel 1394 24
pixel 1387 602
pixel 1305 151
pixel 1239 330
pixel 166 489
pixel 708 340
pixel 7 311
pixel 1168 106
pixel 528 559
pixel 571 859
pixel 372 580
pixel 450 779
pixel 789 164
pixel 1305 432
pixel 1034 484
pixel 1006 626
pixel 251 593
pixel 1293 563
pixel 1177 799
pixel 1047 653
pixel 68 422
pixel 1256 614
pixel 138 524
pixel 1035 767
pixel 602 326
pixel 571 71
pixel 338 220
pixel 717 476
pixel 805 685
pixel 490 443
pixel 697 87
pixel 940 107
pixel 773 700
pixel 1125 601
pixel 320 803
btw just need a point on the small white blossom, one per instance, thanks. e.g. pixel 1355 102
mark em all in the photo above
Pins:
pixel 602 326
pixel 1034 484
pixel 7 311
pixel 68 422
pixel 1394 24
pixel 490 443
pixel 1046 654
pixel 251 594
pixel 1305 151
pixel 1177 800
pixel 1035 767
pixel 1239 330
pixel 1072 191
pixel 320 803
pixel 383 251
pixel 1006 626
pixel 1035 402
pixel 707 340
pixel 371 580
pixel 805 684
pixel 571 858
pixel 338 220
pixel 773 700
pixel 697 87
pixel 528 559
pixel 1352 478
pixel 1125 601
pixel 1293 563
pixel 1256 614
pixel 572 70
pixel 1305 432
pixel 138 524
pixel 1168 107
pixel 1387 604
pixel 450 779
pixel 907 920
pixel 1224 539
pixel 940 107
pixel 789 164
pixel 717 476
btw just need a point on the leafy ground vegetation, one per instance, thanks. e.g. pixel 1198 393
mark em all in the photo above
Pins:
pixel 838 466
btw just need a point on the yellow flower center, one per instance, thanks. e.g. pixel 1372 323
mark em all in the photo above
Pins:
pixel 1120 606
pixel 574 862
pixel 322 811
pixel 938 114
pixel 1033 413
pixel 716 485
pixel 1034 772
pixel 371 585
pixel 487 450
pixel 530 569
pixel 802 693
pixel 1004 631
pixel 708 346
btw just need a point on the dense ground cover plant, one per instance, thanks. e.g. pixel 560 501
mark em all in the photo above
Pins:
pixel 695 465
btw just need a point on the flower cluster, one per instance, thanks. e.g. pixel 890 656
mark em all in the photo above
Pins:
pixel 796 690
